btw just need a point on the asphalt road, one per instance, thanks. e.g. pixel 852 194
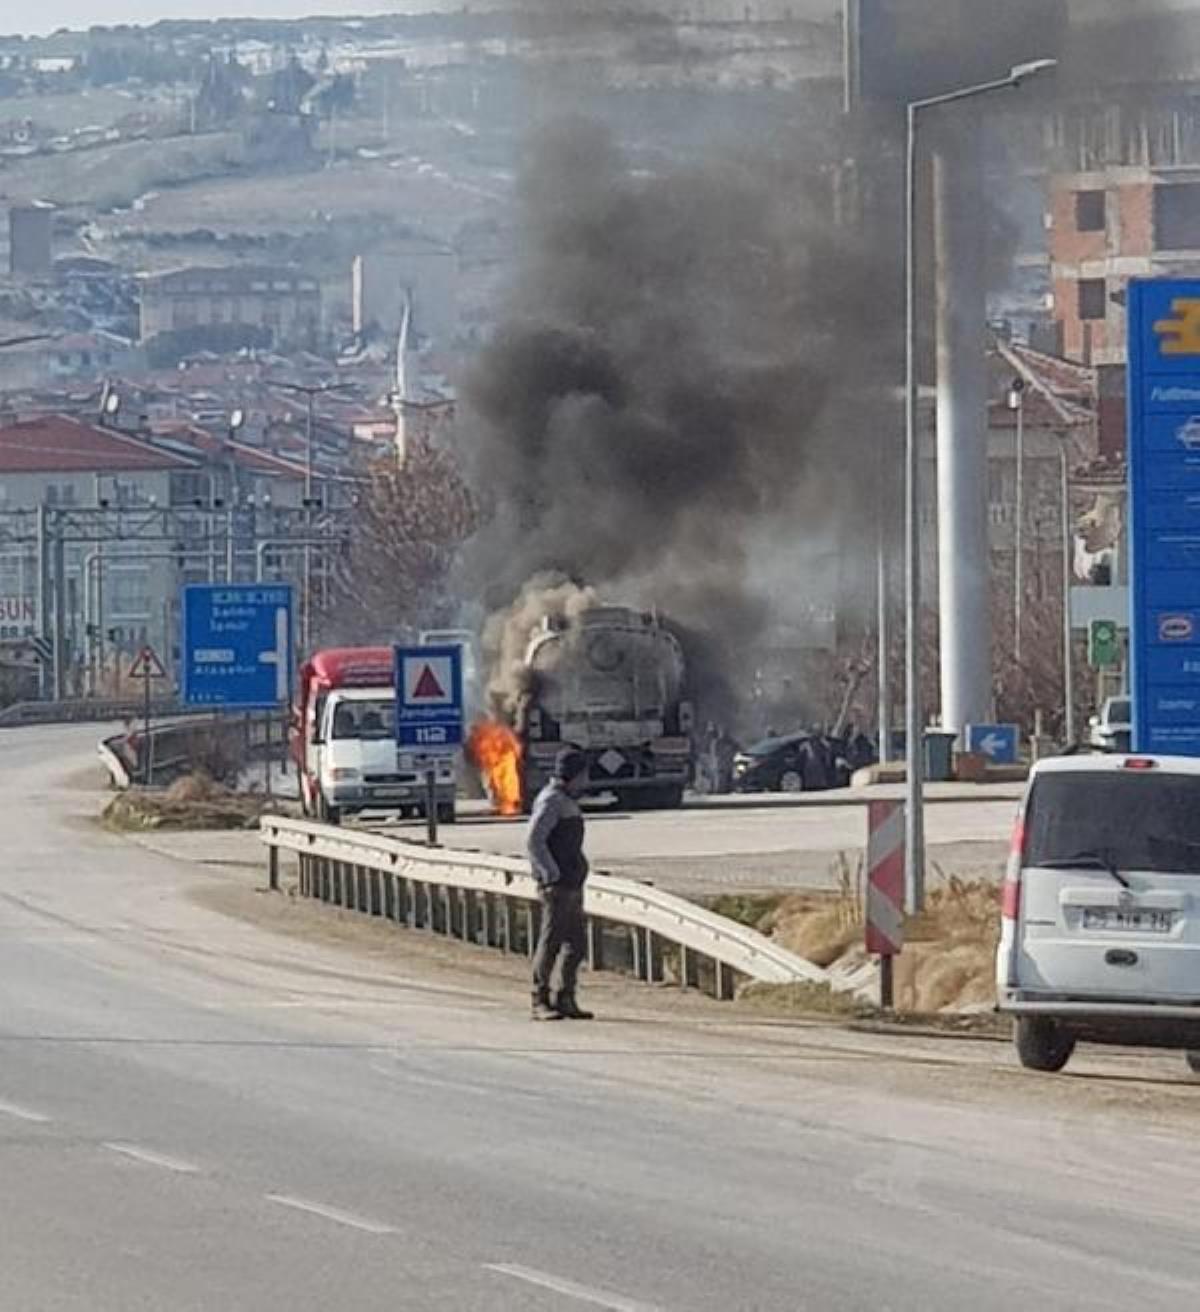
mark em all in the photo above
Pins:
pixel 199 1113
pixel 765 842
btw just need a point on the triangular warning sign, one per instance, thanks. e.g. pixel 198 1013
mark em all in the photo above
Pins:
pixel 146 665
pixel 427 687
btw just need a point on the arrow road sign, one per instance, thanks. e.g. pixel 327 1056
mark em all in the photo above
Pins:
pixel 237 645
pixel 998 742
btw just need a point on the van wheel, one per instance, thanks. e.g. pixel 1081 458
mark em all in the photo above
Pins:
pixel 1043 1045
pixel 1193 1061
pixel 791 781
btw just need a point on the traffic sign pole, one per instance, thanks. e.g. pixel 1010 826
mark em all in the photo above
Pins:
pixel 149 741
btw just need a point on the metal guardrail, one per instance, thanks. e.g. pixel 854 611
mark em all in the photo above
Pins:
pixel 172 746
pixel 492 901
pixel 84 710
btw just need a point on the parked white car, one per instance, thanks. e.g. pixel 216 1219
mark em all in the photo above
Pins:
pixel 1112 729
pixel 1100 933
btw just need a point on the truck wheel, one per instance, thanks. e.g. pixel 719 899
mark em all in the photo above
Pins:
pixel 670 797
pixel 1193 1061
pixel 447 813
pixel 326 814
pixel 1043 1045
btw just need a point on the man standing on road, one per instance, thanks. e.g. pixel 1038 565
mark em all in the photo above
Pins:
pixel 555 846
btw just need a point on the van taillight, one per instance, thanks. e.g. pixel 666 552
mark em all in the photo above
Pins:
pixel 1010 891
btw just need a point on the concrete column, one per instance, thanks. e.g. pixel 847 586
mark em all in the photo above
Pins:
pixel 963 565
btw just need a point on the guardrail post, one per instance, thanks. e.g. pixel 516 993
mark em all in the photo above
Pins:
pixel 273 868
pixel 637 951
pixel 325 873
pixel 489 920
pixel 685 968
pixel 470 917
pixel 388 910
pixel 447 900
pixel 653 957
pixel 595 943
pixel 506 924
pixel 723 981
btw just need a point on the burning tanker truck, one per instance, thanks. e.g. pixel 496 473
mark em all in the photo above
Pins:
pixel 609 680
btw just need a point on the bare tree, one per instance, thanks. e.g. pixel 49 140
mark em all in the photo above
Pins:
pixel 411 521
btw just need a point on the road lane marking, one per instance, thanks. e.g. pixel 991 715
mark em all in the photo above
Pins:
pixel 151 1158
pixel 582 1293
pixel 333 1214
pixel 23 1113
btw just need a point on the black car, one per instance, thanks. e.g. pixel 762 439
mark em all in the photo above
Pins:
pixel 795 763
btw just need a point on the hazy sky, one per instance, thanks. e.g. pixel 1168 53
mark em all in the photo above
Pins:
pixel 51 14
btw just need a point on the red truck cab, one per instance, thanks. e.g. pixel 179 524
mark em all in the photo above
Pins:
pixel 343 740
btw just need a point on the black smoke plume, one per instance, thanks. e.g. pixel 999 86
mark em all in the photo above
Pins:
pixel 673 410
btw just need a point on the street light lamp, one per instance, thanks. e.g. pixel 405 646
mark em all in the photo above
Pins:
pixel 914 826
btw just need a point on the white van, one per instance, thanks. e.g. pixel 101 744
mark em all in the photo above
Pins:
pixel 1101 908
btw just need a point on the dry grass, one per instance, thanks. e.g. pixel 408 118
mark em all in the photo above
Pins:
pixel 947 962
pixel 194 802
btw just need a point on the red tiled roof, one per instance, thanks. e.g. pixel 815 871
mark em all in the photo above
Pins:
pixel 248 457
pixel 60 444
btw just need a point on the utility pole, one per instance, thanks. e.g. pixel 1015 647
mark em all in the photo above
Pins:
pixel 310 391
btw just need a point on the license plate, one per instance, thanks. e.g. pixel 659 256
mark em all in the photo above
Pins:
pixel 1134 922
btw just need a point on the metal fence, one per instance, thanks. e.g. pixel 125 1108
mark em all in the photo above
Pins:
pixel 492 901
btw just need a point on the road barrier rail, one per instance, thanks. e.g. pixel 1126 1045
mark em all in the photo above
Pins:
pixel 174 748
pixel 85 710
pixel 492 901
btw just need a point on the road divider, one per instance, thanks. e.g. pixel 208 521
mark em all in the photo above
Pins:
pixel 492 901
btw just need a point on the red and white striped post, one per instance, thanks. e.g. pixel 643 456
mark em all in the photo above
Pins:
pixel 885 889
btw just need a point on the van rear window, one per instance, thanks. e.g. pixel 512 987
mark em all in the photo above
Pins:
pixel 1137 819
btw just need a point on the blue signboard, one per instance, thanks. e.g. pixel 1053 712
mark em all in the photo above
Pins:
pixel 998 742
pixel 429 697
pixel 1164 509
pixel 237 645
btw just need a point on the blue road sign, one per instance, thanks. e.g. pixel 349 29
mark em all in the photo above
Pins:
pixel 1164 511
pixel 998 742
pixel 237 645
pixel 429 697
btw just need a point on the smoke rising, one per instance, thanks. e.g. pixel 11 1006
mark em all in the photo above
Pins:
pixel 669 411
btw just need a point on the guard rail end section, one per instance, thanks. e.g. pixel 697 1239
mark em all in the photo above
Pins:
pixel 492 901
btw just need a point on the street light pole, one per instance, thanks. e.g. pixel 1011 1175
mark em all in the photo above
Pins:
pixel 914 820
pixel 1016 403
pixel 1068 543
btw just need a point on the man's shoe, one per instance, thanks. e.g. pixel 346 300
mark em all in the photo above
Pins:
pixel 569 1009
pixel 544 1011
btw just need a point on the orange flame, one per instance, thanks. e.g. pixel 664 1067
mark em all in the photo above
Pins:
pixel 496 750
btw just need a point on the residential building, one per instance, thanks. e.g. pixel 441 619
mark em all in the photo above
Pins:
pixel 271 306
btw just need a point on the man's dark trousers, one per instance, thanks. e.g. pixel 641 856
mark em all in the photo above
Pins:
pixel 563 933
